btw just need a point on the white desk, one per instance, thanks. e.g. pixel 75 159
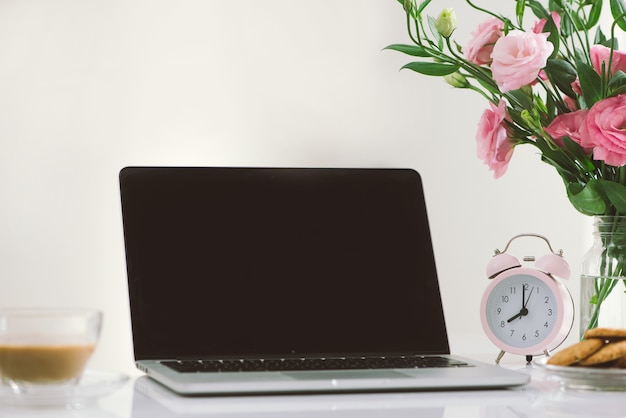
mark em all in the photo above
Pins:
pixel 543 397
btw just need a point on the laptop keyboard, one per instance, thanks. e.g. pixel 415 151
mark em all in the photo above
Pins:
pixel 340 363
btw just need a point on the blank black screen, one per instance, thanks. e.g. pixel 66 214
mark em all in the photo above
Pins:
pixel 263 261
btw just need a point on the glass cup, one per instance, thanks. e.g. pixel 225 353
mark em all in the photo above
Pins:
pixel 46 347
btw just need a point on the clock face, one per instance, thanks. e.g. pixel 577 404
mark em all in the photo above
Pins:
pixel 527 312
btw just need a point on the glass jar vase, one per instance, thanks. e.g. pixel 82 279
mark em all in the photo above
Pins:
pixel 603 276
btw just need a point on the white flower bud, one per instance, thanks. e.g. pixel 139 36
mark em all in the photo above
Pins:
pixel 446 22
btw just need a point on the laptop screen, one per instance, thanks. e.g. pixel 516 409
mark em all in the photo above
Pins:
pixel 279 261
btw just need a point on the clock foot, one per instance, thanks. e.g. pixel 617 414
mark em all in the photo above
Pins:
pixel 529 359
pixel 500 356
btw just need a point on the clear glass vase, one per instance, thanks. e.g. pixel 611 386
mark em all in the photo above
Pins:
pixel 603 276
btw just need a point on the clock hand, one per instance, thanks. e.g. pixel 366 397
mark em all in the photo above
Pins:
pixel 523 311
pixel 514 317
pixel 526 302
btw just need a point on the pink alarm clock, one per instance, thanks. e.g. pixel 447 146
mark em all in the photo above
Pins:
pixel 527 310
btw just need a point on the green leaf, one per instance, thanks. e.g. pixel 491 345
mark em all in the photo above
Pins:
pixel 600 37
pixel 422 6
pixel 616 193
pixel 459 48
pixel 489 86
pixel 566 175
pixel 578 23
pixel 559 159
pixel 594 14
pixel 554 36
pixel 618 79
pixel 563 74
pixel 433 29
pixel 516 117
pixel 555 5
pixel 413 50
pixel 522 98
pixel 617 84
pixel 551 107
pixel 567 26
pixel 554 162
pixel 578 152
pixel 618 8
pixel 431 68
pixel 618 91
pixel 538 9
pixel 590 83
pixel 519 11
pixel 586 199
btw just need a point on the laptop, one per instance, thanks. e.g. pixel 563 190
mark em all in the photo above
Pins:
pixel 254 280
pixel 151 399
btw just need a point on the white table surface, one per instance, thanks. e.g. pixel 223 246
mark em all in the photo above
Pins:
pixel 543 397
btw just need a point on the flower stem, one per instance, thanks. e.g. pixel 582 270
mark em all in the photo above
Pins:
pixel 610 267
pixel 602 292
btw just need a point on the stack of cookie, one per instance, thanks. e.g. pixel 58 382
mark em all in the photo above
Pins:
pixel 600 347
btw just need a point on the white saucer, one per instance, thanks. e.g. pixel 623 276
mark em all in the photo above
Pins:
pixel 586 378
pixel 93 385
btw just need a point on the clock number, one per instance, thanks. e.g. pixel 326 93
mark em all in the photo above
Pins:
pixel 550 312
pixel 502 324
pixel 536 333
pixel 546 325
pixel 499 310
pixel 524 337
pixel 512 332
pixel 513 290
pixel 505 299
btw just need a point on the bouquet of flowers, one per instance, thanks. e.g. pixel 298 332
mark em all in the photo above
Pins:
pixel 558 84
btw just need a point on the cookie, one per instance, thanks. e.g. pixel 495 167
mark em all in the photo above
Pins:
pixel 620 363
pixel 608 352
pixel 606 333
pixel 576 352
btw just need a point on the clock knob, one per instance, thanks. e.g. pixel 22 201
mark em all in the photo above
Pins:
pixel 501 262
pixel 553 264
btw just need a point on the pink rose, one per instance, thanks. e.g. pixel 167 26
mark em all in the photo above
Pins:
pixel 518 58
pixel 571 104
pixel 494 146
pixel 576 87
pixel 605 130
pixel 568 124
pixel 478 50
pixel 600 54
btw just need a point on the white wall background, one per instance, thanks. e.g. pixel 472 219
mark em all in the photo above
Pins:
pixel 88 87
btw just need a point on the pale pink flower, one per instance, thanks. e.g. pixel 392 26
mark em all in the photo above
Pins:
pixel 494 147
pixel 605 130
pixel 538 28
pixel 518 58
pixel 541 23
pixel 568 124
pixel 600 54
pixel 478 49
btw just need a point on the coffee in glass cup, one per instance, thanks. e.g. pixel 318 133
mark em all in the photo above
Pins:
pixel 46 346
